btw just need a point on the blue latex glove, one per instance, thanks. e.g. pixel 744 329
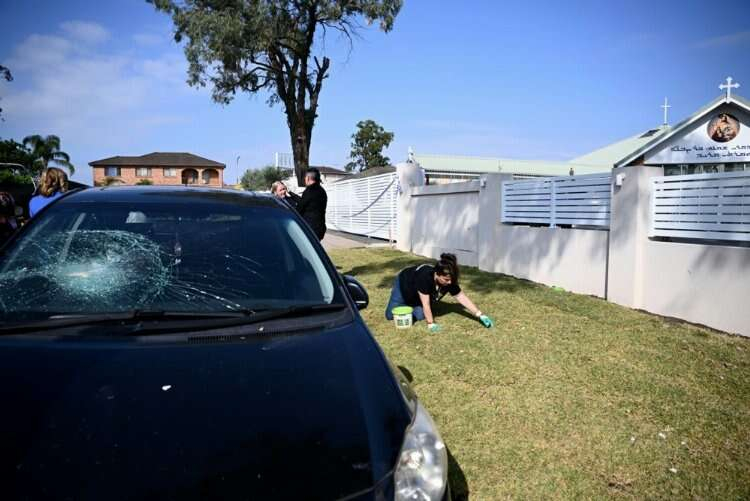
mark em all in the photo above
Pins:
pixel 487 321
pixel 433 328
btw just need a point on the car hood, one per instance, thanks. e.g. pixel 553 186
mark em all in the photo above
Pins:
pixel 316 415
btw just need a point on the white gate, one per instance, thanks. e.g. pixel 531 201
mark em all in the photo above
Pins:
pixel 366 206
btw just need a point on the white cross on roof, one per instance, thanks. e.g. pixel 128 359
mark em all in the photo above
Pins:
pixel 666 107
pixel 729 86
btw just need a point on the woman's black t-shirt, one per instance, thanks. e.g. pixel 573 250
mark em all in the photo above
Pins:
pixel 415 279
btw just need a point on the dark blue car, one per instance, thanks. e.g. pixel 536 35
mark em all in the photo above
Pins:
pixel 175 343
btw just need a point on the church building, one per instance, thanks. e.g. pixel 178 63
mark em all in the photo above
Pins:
pixel 716 138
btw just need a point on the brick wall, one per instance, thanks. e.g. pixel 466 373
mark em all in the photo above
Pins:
pixel 157 177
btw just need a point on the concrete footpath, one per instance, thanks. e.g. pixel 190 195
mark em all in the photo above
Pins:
pixel 339 240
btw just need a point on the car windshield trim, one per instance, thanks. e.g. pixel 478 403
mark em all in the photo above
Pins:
pixel 196 320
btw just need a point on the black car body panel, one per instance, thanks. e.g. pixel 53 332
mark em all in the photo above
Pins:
pixel 306 416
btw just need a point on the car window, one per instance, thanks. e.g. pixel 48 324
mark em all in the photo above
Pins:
pixel 98 258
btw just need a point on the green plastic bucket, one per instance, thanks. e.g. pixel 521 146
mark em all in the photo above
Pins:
pixel 402 316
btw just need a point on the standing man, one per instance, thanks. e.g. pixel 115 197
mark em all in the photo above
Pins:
pixel 314 201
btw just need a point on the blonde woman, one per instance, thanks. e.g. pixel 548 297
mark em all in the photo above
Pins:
pixel 280 190
pixel 53 184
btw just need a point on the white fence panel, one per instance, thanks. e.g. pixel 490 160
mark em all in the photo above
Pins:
pixel 366 206
pixel 576 200
pixel 701 206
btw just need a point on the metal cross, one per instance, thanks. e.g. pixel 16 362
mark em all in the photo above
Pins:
pixel 666 107
pixel 729 86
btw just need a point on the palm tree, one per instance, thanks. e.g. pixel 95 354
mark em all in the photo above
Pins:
pixel 46 150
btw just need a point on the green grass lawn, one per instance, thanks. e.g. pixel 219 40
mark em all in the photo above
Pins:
pixel 569 396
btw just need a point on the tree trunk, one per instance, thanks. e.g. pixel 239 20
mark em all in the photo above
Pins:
pixel 300 150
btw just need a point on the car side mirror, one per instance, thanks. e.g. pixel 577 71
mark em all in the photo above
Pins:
pixel 357 291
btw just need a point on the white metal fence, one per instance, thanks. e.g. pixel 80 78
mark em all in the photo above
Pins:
pixel 701 206
pixel 575 200
pixel 366 206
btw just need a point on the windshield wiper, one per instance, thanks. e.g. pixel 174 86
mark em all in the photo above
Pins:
pixel 176 320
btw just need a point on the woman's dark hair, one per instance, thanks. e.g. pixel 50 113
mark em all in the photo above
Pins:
pixel 448 265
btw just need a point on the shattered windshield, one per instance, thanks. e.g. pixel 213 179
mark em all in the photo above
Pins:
pixel 102 258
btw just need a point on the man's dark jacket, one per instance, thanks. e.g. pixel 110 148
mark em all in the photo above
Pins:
pixel 312 208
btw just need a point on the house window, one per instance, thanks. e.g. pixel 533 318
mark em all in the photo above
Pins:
pixel 170 172
pixel 143 171
pixel 112 171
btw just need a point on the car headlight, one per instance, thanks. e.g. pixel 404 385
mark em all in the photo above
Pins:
pixel 422 469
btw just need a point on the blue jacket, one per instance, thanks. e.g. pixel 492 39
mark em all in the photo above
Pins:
pixel 38 202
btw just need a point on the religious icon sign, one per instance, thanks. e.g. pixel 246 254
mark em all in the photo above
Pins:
pixel 723 127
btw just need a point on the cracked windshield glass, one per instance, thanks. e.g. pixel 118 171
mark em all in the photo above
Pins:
pixel 86 259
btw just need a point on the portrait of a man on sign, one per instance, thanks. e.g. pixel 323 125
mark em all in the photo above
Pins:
pixel 723 127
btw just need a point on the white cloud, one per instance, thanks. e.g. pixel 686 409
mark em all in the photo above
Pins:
pixel 732 39
pixel 84 31
pixel 39 51
pixel 91 96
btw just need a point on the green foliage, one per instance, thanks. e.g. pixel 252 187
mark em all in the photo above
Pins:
pixel 145 182
pixel 9 177
pixel 367 146
pixel 16 153
pixel 253 46
pixel 262 179
pixel 46 151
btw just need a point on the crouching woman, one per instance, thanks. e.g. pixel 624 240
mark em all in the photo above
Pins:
pixel 423 286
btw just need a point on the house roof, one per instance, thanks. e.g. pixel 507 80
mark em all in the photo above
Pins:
pixel 372 171
pixel 480 165
pixel 328 171
pixel 158 159
pixel 734 99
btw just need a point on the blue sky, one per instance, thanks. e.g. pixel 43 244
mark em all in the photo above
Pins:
pixel 527 80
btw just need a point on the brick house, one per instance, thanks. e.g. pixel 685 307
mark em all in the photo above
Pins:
pixel 160 169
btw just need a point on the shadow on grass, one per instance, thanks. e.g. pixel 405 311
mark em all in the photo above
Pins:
pixel 457 479
pixel 407 373
pixel 442 308
pixel 471 278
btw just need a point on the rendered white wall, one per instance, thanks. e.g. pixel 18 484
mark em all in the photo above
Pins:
pixel 706 284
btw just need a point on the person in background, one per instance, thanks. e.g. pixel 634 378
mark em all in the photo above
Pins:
pixel 280 190
pixel 422 286
pixel 8 222
pixel 314 201
pixel 52 185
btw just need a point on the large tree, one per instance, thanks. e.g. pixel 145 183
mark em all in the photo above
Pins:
pixel 270 45
pixel 46 151
pixel 367 146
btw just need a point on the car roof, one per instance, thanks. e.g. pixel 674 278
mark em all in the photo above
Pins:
pixel 171 195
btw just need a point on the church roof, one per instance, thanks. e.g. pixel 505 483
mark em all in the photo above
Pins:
pixel 611 154
pixel 733 99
